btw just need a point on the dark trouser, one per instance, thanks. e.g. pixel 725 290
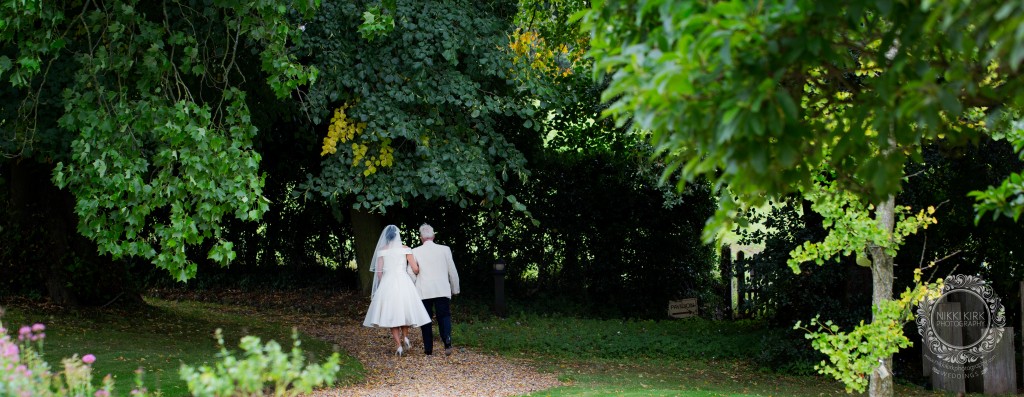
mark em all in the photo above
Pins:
pixel 444 322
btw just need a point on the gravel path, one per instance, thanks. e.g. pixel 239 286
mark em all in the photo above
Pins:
pixel 464 373
pixel 337 317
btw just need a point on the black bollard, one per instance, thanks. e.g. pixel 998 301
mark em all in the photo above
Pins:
pixel 499 288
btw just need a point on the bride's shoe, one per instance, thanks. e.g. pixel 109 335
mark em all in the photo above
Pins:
pixel 399 352
pixel 407 344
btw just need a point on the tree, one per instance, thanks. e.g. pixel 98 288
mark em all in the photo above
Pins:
pixel 765 98
pixel 143 109
pixel 419 95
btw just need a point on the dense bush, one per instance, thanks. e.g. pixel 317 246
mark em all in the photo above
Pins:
pixel 990 248
pixel 609 241
pixel 604 236
pixel 840 291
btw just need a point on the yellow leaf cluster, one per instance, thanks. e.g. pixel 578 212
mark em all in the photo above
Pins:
pixel 925 219
pixel 358 152
pixel 529 48
pixel 341 129
pixel 385 158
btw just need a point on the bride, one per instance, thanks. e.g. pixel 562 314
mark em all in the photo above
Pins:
pixel 395 303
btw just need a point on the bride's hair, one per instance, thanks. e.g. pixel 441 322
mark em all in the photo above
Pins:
pixel 390 233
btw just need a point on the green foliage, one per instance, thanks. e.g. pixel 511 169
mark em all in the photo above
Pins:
pixel 197 188
pixel 786 352
pixel 771 282
pixel 264 367
pixel 431 93
pixel 756 95
pixel 158 122
pixel 149 343
pixel 852 226
pixel 376 23
pixel 987 249
pixel 763 97
pixel 1006 199
pixel 854 355
pixel 548 45
pixel 611 241
pixel 26 373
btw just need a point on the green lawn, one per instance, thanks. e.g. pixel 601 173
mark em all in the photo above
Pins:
pixel 645 358
pixel 157 338
pixel 592 357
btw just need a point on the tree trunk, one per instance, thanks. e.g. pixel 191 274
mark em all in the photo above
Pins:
pixel 38 204
pixel 881 279
pixel 366 228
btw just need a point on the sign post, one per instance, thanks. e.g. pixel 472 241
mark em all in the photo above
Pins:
pixel 682 308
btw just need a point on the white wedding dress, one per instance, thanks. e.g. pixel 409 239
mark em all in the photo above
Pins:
pixel 395 302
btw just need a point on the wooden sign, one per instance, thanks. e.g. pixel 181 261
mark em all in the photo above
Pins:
pixel 682 308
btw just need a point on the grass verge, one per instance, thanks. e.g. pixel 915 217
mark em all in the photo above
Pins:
pixel 158 337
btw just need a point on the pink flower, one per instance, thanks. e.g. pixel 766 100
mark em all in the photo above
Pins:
pixel 88 359
pixel 101 393
pixel 24 332
pixel 10 350
pixel 38 327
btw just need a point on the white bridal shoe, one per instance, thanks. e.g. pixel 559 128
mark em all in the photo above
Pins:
pixel 399 352
pixel 407 344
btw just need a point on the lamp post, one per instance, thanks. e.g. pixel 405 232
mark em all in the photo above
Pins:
pixel 499 288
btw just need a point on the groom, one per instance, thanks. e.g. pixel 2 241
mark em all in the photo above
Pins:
pixel 437 282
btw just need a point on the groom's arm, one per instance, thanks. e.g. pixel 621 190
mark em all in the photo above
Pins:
pixel 453 275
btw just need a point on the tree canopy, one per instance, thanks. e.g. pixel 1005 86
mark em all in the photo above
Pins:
pixel 827 99
pixel 144 107
pixel 416 105
pixel 759 95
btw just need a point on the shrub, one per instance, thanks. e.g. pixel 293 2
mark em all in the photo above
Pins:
pixel 265 369
pixel 24 372
pixel 787 351
pixel 264 366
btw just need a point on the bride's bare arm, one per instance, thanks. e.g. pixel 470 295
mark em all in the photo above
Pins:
pixel 412 263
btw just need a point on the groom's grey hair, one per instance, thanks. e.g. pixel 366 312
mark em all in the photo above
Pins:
pixel 426 231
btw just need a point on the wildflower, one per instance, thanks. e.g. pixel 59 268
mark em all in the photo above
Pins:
pixel 101 393
pixel 302 28
pixel 38 327
pixel 9 350
pixel 24 332
pixel 88 359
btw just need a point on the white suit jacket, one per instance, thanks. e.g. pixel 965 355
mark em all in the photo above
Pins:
pixel 438 277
